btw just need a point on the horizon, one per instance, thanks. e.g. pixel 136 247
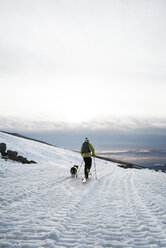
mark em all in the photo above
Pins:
pixel 150 157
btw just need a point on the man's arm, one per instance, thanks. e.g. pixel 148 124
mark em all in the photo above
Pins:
pixel 92 149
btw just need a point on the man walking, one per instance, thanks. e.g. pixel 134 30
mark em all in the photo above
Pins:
pixel 86 151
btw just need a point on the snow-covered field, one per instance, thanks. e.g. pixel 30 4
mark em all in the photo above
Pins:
pixel 42 206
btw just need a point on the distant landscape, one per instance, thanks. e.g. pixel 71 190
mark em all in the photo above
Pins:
pixel 155 159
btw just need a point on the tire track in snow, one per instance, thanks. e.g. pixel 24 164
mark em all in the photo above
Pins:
pixel 149 211
pixel 83 224
pixel 110 213
pixel 141 221
pixel 73 223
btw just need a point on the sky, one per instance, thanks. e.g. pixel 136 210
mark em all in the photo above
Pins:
pixel 74 68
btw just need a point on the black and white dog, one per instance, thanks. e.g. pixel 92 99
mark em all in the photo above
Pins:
pixel 73 170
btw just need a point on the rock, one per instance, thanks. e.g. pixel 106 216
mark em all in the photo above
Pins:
pixel 3 149
pixel 126 166
pixel 23 160
pixel 33 162
pixel 122 166
pixel 12 154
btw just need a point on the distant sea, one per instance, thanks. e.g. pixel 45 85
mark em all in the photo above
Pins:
pixel 155 159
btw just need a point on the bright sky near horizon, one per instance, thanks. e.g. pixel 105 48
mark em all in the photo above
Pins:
pixel 74 61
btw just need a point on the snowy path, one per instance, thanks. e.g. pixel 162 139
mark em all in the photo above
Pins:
pixel 42 206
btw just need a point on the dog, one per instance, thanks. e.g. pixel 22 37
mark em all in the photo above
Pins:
pixel 73 170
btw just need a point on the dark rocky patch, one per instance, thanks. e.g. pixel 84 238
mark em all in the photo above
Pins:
pixel 3 149
pixel 13 155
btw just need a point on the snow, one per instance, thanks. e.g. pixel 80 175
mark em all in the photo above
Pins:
pixel 42 206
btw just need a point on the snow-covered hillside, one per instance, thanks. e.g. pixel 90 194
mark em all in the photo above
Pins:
pixel 42 206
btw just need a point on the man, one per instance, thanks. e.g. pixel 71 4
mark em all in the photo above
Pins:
pixel 86 151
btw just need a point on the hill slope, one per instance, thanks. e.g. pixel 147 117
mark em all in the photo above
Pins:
pixel 42 206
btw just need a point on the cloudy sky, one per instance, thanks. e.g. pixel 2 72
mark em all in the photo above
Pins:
pixel 89 65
